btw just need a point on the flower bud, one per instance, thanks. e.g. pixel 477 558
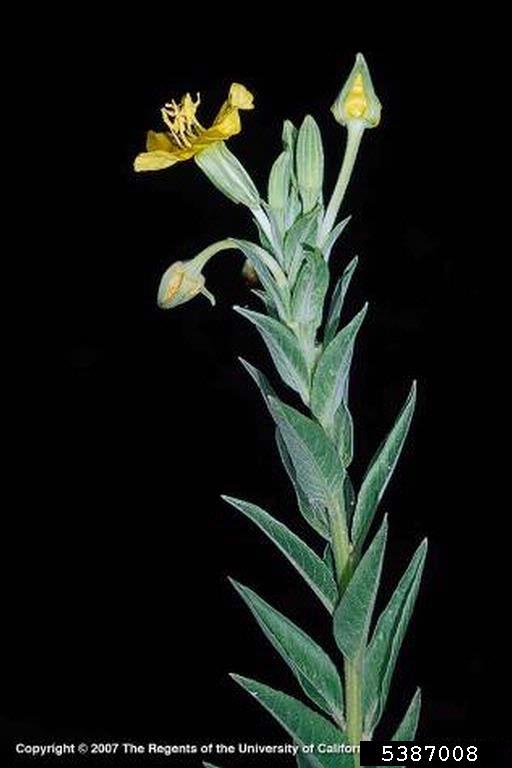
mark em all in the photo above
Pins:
pixel 180 283
pixel 357 101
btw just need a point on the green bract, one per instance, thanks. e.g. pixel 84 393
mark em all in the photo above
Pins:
pixel 312 349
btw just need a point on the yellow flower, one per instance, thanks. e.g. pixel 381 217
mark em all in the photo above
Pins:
pixel 185 136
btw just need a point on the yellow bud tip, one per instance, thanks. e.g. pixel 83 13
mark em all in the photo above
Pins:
pixel 240 97
pixel 356 103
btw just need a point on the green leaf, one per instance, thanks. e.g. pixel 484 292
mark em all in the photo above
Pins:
pixel 309 663
pixel 343 434
pixel 353 614
pixel 406 731
pixel 279 187
pixel 382 652
pixel 310 289
pixel 268 303
pixel 309 156
pixel 227 173
pixel 284 350
pixel 289 136
pixel 337 301
pixel 209 765
pixel 317 467
pixel 269 274
pixel 380 471
pixel 331 238
pixel 302 557
pixel 331 375
pixel 303 724
pixel 316 517
pixel 303 231
pixel 350 498
pixel 261 380
pixel 328 559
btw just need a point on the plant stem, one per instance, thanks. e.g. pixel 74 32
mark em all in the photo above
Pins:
pixel 355 132
pixel 345 563
pixel 354 704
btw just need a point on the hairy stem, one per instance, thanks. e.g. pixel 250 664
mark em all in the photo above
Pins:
pixel 345 562
pixel 354 135
pixel 354 703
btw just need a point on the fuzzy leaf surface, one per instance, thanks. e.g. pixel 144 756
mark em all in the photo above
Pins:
pixel 332 237
pixel 301 556
pixel 309 663
pixel 380 471
pixel 284 350
pixel 353 614
pixel 279 187
pixel 310 289
pixel 315 516
pixel 309 158
pixel 337 301
pixel 303 724
pixel 332 372
pixel 383 649
pixel 319 471
pixel 303 231
pixel 269 274
pixel 406 731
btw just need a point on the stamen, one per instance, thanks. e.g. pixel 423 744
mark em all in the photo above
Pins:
pixel 181 120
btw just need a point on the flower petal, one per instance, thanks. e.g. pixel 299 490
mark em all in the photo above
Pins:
pixel 240 97
pixel 154 161
pixel 158 141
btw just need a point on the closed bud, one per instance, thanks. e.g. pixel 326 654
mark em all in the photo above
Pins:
pixel 357 101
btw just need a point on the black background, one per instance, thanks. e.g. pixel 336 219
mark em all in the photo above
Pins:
pixel 125 423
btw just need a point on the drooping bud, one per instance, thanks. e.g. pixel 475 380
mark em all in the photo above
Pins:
pixel 184 280
pixel 180 283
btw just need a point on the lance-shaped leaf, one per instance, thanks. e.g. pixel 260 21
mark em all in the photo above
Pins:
pixel 310 664
pixel 318 469
pixel 289 136
pixel 310 289
pixel 327 246
pixel 209 765
pixel 267 301
pixel 303 724
pixel 337 301
pixel 284 350
pixel 269 274
pixel 406 731
pixel 301 556
pixel 343 434
pixel 380 471
pixel 332 372
pixel 302 231
pixel 382 652
pixel 353 614
pixel 227 173
pixel 279 187
pixel 261 380
pixel 316 517
pixel 309 158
